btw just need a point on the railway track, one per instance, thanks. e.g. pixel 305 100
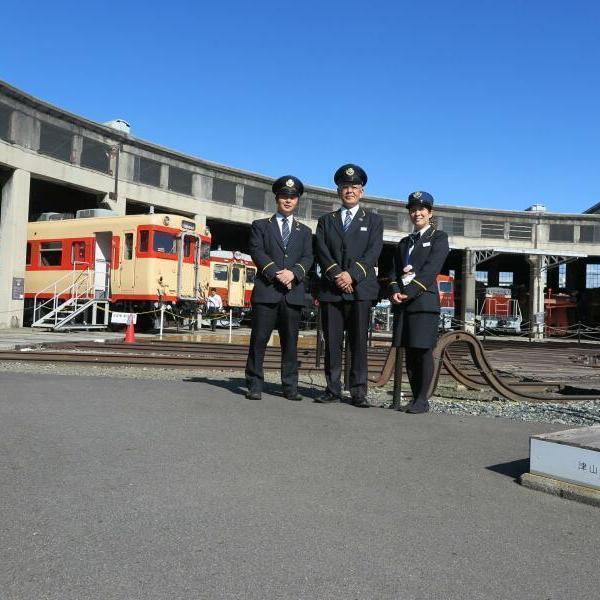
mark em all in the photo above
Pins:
pixel 458 356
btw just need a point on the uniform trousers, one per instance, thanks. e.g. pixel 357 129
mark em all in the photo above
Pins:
pixel 419 367
pixel 265 318
pixel 352 316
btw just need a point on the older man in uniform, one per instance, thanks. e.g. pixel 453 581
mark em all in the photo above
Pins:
pixel 349 242
pixel 281 248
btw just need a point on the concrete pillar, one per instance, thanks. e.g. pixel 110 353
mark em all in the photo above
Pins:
pixel 239 194
pixel 13 242
pixel 200 221
pixel 468 305
pixel 119 205
pixel 537 282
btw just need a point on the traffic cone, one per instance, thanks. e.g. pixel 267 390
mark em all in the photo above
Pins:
pixel 130 333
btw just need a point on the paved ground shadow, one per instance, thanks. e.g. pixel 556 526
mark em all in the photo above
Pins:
pixel 237 385
pixel 514 468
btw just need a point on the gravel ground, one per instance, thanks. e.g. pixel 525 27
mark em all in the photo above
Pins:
pixel 453 399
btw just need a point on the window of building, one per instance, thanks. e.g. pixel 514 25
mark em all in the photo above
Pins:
pixel 180 181
pixel 28 254
pixel 561 233
pixel 492 229
pixel 144 237
pixel 481 276
pixel 5 114
pixel 128 250
pixel 505 278
pixel 77 252
pixel 589 234
pixel 56 142
pixel 95 155
pixel 254 198
pixel 51 254
pixel 224 191
pixel 250 275
pixel 220 272
pixel 390 219
pixel 453 225
pixel 164 242
pixel 146 170
pixel 321 207
pixel 562 276
pixel 519 231
pixel 592 275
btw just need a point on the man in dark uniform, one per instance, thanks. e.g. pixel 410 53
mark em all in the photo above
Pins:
pixel 281 248
pixel 418 260
pixel 349 242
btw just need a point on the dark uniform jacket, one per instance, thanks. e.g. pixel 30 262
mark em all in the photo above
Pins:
pixel 427 259
pixel 356 251
pixel 270 255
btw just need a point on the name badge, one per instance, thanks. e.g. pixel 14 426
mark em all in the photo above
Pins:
pixel 363 228
pixel 426 244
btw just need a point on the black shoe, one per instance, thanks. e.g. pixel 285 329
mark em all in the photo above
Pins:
pixel 326 398
pixel 295 396
pixel 360 402
pixel 418 408
pixel 253 395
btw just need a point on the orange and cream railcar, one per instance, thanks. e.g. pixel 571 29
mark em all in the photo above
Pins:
pixel 232 274
pixel 134 261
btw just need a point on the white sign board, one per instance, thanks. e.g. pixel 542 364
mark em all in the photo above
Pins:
pixel 572 456
pixel 123 318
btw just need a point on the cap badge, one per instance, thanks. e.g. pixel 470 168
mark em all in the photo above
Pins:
pixel 289 183
pixel 349 171
pixel 417 195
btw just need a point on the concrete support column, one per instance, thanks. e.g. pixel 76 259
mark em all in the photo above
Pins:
pixel 118 204
pixel 13 242
pixel 537 282
pixel 200 221
pixel 468 306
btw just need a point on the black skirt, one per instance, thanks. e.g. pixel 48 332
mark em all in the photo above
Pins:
pixel 415 329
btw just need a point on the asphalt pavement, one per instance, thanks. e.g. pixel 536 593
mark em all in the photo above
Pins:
pixel 143 489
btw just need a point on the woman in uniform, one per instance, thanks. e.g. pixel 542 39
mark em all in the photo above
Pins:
pixel 418 260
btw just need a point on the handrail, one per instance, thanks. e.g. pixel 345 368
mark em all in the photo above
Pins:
pixel 77 275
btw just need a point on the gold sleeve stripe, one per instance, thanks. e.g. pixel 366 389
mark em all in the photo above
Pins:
pixel 419 283
pixel 330 267
pixel 391 282
pixel 267 266
pixel 302 267
pixel 363 269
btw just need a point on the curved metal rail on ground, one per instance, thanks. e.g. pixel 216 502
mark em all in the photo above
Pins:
pixel 517 391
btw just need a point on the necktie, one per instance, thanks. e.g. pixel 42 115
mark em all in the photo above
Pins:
pixel 347 220
pixel 285 231
pixel 413 238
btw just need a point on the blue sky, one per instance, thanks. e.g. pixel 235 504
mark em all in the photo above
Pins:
pixel 482 103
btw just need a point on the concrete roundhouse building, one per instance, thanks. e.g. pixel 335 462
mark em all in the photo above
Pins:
pixel 52 160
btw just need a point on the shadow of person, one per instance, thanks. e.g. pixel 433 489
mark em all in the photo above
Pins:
pixel 237 385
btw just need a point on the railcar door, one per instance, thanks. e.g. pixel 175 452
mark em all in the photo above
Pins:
pixel 237 278
pixel 102 255
pixel 127 266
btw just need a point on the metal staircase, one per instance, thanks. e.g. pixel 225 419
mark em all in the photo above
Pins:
pixel 77 294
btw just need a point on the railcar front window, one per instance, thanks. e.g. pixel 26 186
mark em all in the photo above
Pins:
pixel 144 234
pixel 250 275
pixel 220 272
pixel 235 274
pixel 28 255
pixel 51 254
pixel 445 287
pixel 205 251
pixel 164 242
